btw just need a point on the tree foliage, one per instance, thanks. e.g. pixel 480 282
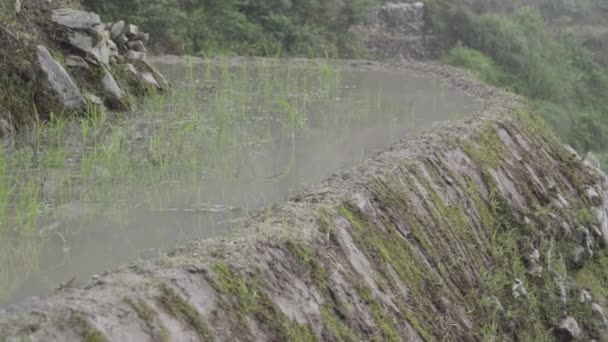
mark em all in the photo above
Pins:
pixel 253 27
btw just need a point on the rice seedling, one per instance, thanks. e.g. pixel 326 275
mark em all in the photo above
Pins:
pixel 186 164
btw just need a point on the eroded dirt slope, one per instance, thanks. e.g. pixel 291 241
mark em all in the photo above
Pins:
pixel 480 229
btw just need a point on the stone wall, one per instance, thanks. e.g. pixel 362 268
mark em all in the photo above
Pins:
pixel 63 60
pixel 398 32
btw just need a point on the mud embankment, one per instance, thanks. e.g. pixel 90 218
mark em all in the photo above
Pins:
pixel 483 229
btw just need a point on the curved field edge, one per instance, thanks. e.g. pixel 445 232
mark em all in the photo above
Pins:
pixel 423 242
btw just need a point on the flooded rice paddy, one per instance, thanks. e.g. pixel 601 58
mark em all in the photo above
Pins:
pixel 80 196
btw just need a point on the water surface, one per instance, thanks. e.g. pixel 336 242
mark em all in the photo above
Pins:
pixel 186 165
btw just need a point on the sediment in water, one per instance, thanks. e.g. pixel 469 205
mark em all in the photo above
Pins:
pixel 479 229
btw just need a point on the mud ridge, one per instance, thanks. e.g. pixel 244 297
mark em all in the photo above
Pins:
pixel 485 228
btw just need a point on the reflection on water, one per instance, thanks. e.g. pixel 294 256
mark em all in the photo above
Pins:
pixel 228 140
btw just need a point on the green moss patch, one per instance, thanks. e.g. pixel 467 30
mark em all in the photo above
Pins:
pixel 150 318
pixel 249 299
pixel 179 308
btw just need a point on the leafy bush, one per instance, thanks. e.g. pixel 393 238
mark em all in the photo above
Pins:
pixel 521 52
pixel 253 27
pixel 481 65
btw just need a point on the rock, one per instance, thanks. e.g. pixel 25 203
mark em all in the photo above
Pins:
pixel 17 7
pixel 146 37
pixel 135 56
pixel 98 54
pixel 136 45
pixel 162 81
pixel 131 69
pixel 93 99
pixel 591 160
pixel 518 289
pixel 533 263
pixel 114 97
pixel 602 219
pixel 535 269
pixel 585 297
pixel 101 53
pixel 121 41
pixel 120 59
pixel 562 200
pixel 74 61
pixel 569 329
pixel 76 19
pixel 598 314
pixel 132 32
pixel 59 82
pixel 149 80
pixel 584 238
pixel 81 41
pixel 572 152
pixel 563 290
pixel 534 256
pixel 593 197
pixel 117 29
pixel 405 18
pixel 578 256
pixel 113 48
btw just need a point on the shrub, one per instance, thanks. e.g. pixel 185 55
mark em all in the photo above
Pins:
pixel 259 27
pixel 482 66
pixel 522 53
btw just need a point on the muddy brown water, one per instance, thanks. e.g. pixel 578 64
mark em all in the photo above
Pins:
pixel 268 156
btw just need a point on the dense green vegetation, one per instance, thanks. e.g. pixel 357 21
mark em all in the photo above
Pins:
pixel 522 52
pixel 252 27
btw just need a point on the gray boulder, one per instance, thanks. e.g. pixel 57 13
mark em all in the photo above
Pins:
pixel 135 56
pixel 518 289
pixel 59 82
pixel 113 48
pixel 578 256
pixel 585 297
pixel 76 19
pixel 81 41
pixel 98 54
pixel 114 97
pixel 162 81
pixel 121 41
pixel 569 329
pixel 117 29
pixel 602 219
pixel 131 69
pixel 598 314
pixel 149 80
pixel 101 53
pixel 136 45
pixel 94 100
pixel 132 32
pixel 74 61
pixel 572 152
